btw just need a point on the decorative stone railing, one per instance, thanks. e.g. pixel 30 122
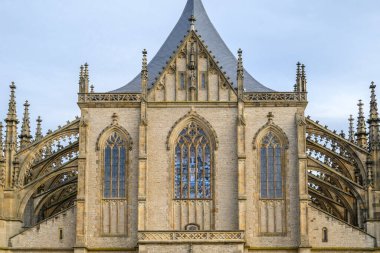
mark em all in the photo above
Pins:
pixel 190 236
pixel 275 96
pixel 108 97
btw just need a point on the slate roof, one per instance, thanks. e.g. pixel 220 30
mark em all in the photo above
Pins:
pixel 211 38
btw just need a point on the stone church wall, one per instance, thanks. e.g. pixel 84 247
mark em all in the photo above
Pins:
pixel 46 235
pixel 256 118
pixel 98 120
pixel 340 235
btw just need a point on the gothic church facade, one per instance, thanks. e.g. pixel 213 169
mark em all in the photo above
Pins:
pixel 193 155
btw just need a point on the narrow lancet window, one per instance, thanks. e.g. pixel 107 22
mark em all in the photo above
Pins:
pixel 114 167
pixel 203 80
pixel 271 168
pixel 193 164
pixel 325 235
pixel 182 80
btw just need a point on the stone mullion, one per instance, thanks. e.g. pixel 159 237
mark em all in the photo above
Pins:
pixel 81 191
pixel 142 168
pixel 303 183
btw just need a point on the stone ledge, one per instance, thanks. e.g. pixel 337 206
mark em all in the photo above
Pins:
pixel 191 236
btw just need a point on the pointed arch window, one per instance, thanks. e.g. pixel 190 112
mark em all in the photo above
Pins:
pixel 271 179
pixel 193 164
pixel 115 160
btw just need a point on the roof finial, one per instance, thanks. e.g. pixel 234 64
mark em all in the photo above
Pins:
pixel 351 132
pixel 298 84
pixel 83 79
pixel 192 20
pixel 270 117
pixel 373 120
pixel 240 67
pixel 12 116
pixel 144 73
pixel 303 79
pixel 25 136
pixel 240 74
pixel 39 129
pixel 361 134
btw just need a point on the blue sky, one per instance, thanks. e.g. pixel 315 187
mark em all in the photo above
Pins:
pixel 43 43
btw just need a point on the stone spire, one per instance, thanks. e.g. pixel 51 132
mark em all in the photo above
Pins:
pixel 351 131
pixel 144 74
pixel 373 120
pixel 361 134
pixel 240 74
pixel 83 79
pixel 39 129
pixel 25 136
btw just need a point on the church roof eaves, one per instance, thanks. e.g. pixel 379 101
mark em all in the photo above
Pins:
pixel 210 36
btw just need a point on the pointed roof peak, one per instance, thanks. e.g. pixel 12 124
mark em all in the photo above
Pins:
pixel 210 36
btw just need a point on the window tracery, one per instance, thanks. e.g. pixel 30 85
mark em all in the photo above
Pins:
pixel 115 157
pixel 271 181
pixel 192 164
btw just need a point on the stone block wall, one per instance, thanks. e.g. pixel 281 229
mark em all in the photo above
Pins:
pixel 46 235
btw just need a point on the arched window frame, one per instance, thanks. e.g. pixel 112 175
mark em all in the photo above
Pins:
pixel 325 234
pixel 100 147
pixel 181 124
pixel 270 127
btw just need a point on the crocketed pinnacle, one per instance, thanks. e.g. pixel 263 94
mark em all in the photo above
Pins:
pixel 1 142
pixel 240 68
pixel 144 65
pixel 144 74
pixel 39 129
pixel 303 79
pixel 298 78
pixel 361 134
pixel 12 114
pixel 83 79
pixel 25 136
pixel 373 120
pixel 351 131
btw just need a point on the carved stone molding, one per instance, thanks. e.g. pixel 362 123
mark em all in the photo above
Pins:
pixel 275 96
pixel 271 126
pixel 108 97
pixel 114 126
pixel 190 236
pixel 192 116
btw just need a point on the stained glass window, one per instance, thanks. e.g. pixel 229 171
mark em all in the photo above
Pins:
pixel 115 157
pixel 271 168
pixel 193 169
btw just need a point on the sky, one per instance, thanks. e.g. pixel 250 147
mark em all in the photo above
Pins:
pixel 43 43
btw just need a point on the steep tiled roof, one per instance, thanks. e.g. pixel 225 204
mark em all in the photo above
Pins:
pixel 211 38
